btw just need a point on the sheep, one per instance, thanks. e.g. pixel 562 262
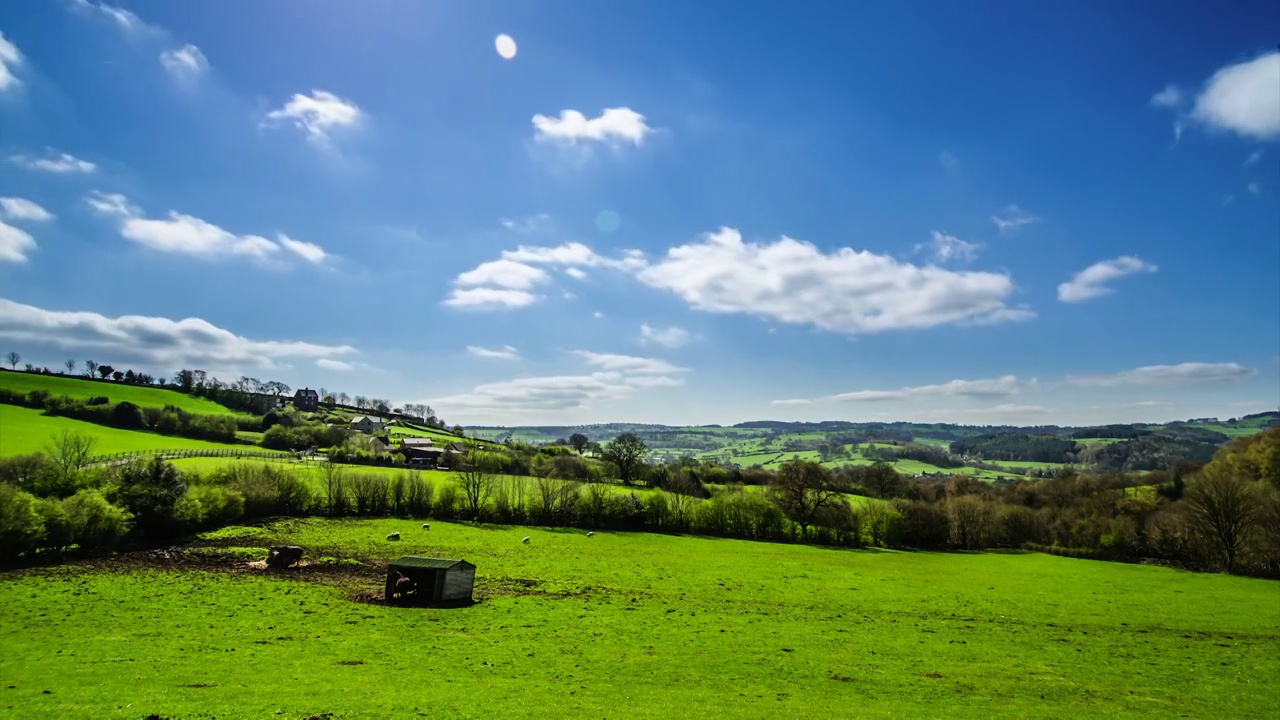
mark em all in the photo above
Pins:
pixel 525 540
pixel 394 536
pixel 426 526
pixel 591 534
pixel 403 585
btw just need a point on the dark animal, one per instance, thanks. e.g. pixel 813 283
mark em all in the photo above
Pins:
pixel 404 585
pixel 283 556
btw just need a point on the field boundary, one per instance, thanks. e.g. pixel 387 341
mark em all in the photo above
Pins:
pixel 122 457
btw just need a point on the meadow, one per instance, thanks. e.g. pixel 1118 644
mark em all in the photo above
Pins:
pixel 636 626
pixel 82 389
pixel 23 430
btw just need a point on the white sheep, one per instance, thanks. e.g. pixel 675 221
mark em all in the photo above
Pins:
pixel 426 526
pixel 591 534
pixel 525 540
pixel 394 536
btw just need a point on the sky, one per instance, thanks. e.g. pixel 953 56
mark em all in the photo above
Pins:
pixel 988 212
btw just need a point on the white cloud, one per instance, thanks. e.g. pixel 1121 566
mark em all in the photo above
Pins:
pixel 1091 282
pixel 187 235
pixel 672 337
pixel 530 224
pixel 1005 386
pixel 844 291
pixel 490 298
pixel 629 364
pixel 9 59
pixel 63 163
pixel 1255 188
pixel 317 114
pixel 598 315
pixel 1169 97
pixel 14 244
pixel 948 160
pixel 1253 159
pixel 567 254
pixel 614 124
pixel 618 377
pixel 310 252
pixel 110 204
pixel 506 352
pixel 335 365
pixel 506 46
pixel 22 209
pixel 1013 219
pixel 948 248
pixel 1243 98
pixel 186 64
pixel 1184 374
pixel 128 23
pixel 505 274
pixel 161 341
pixel 575 273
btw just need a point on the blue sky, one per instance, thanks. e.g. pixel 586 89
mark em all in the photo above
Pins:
pixel 980 212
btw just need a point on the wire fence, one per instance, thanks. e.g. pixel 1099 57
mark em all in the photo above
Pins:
pixel 127 456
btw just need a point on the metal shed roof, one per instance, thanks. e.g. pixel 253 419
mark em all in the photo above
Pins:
pixel 427 563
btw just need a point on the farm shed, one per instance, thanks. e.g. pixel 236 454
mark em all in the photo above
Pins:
pixel 420 581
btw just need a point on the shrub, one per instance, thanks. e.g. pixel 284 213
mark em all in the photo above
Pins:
pixel 267 490
pixel 33 473
pixel 210 506
pixel 95 522
pixel 97 400
pixel 150 491
pixel 21 526
pixel 58 531
pixel 371 493
pixel 921 524
pixel 126 415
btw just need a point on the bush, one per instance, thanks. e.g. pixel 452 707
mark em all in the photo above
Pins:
pixel 210 506
pixel 58 531
pixel 33 473
pixel 126 415
pixel 921 524
pixel 95 522
pixel 267 490
pixel 97 400
pixel 21 526
pixel 150 491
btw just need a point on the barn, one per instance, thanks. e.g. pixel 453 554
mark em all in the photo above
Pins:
pixel 423 581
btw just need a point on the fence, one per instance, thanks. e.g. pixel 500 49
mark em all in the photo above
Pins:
pixel 121 457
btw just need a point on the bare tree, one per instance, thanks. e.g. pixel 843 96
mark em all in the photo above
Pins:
pixel 474 478
pixel 1222 510
pixel 970 518
pixel 70 452
pixel 91 367
pixel 70 365
pixel 343 398
pixel 13 359
pixel 802 488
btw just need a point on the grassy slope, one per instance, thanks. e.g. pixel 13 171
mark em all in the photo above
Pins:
pixel 612 627
pixel 23 431
pixel 84 389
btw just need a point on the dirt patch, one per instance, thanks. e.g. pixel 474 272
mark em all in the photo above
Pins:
pixel 350 662
pixel 935 676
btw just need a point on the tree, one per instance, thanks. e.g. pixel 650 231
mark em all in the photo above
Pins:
pixel 117 376
pixel 801 489
pixel 13 359
pixel 70 452
pixel 627 452
pixel 70 365
pixel 361 401
pixel 1223 509
pixel 91 367
pixel 883 481
pixel 184 379
pixel 970 518
pixel 150 491
pixel 104 371
pixel 474 479
pixel 579 442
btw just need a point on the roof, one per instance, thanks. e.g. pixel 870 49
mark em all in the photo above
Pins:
pixel 422 450
pixel 416 441
pixel 370 418
pixel 426 563
pixel 458 447
pixel 307 392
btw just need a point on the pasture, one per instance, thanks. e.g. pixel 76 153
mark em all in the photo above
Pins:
pixel 635 626
pixel 23 430
pixel 83 389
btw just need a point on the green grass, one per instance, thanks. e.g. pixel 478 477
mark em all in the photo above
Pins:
pixel 641 626
pixel 1028 464
pixel 82 389
pixel 23 430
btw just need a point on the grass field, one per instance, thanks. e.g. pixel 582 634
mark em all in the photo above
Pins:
pixel 639 626
pixel 84 389
pixel 23 430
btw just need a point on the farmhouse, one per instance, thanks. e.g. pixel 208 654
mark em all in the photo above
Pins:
pixel 420 451
pixel 421 581
pixel 368 424
pixel 379 444
pixel 306 399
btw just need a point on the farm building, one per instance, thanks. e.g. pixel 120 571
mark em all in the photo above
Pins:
pixel 368 424
pixel 424 581
pixel 306 399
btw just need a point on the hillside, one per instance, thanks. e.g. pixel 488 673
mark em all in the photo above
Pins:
pixel 23 431
pixel 84 388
